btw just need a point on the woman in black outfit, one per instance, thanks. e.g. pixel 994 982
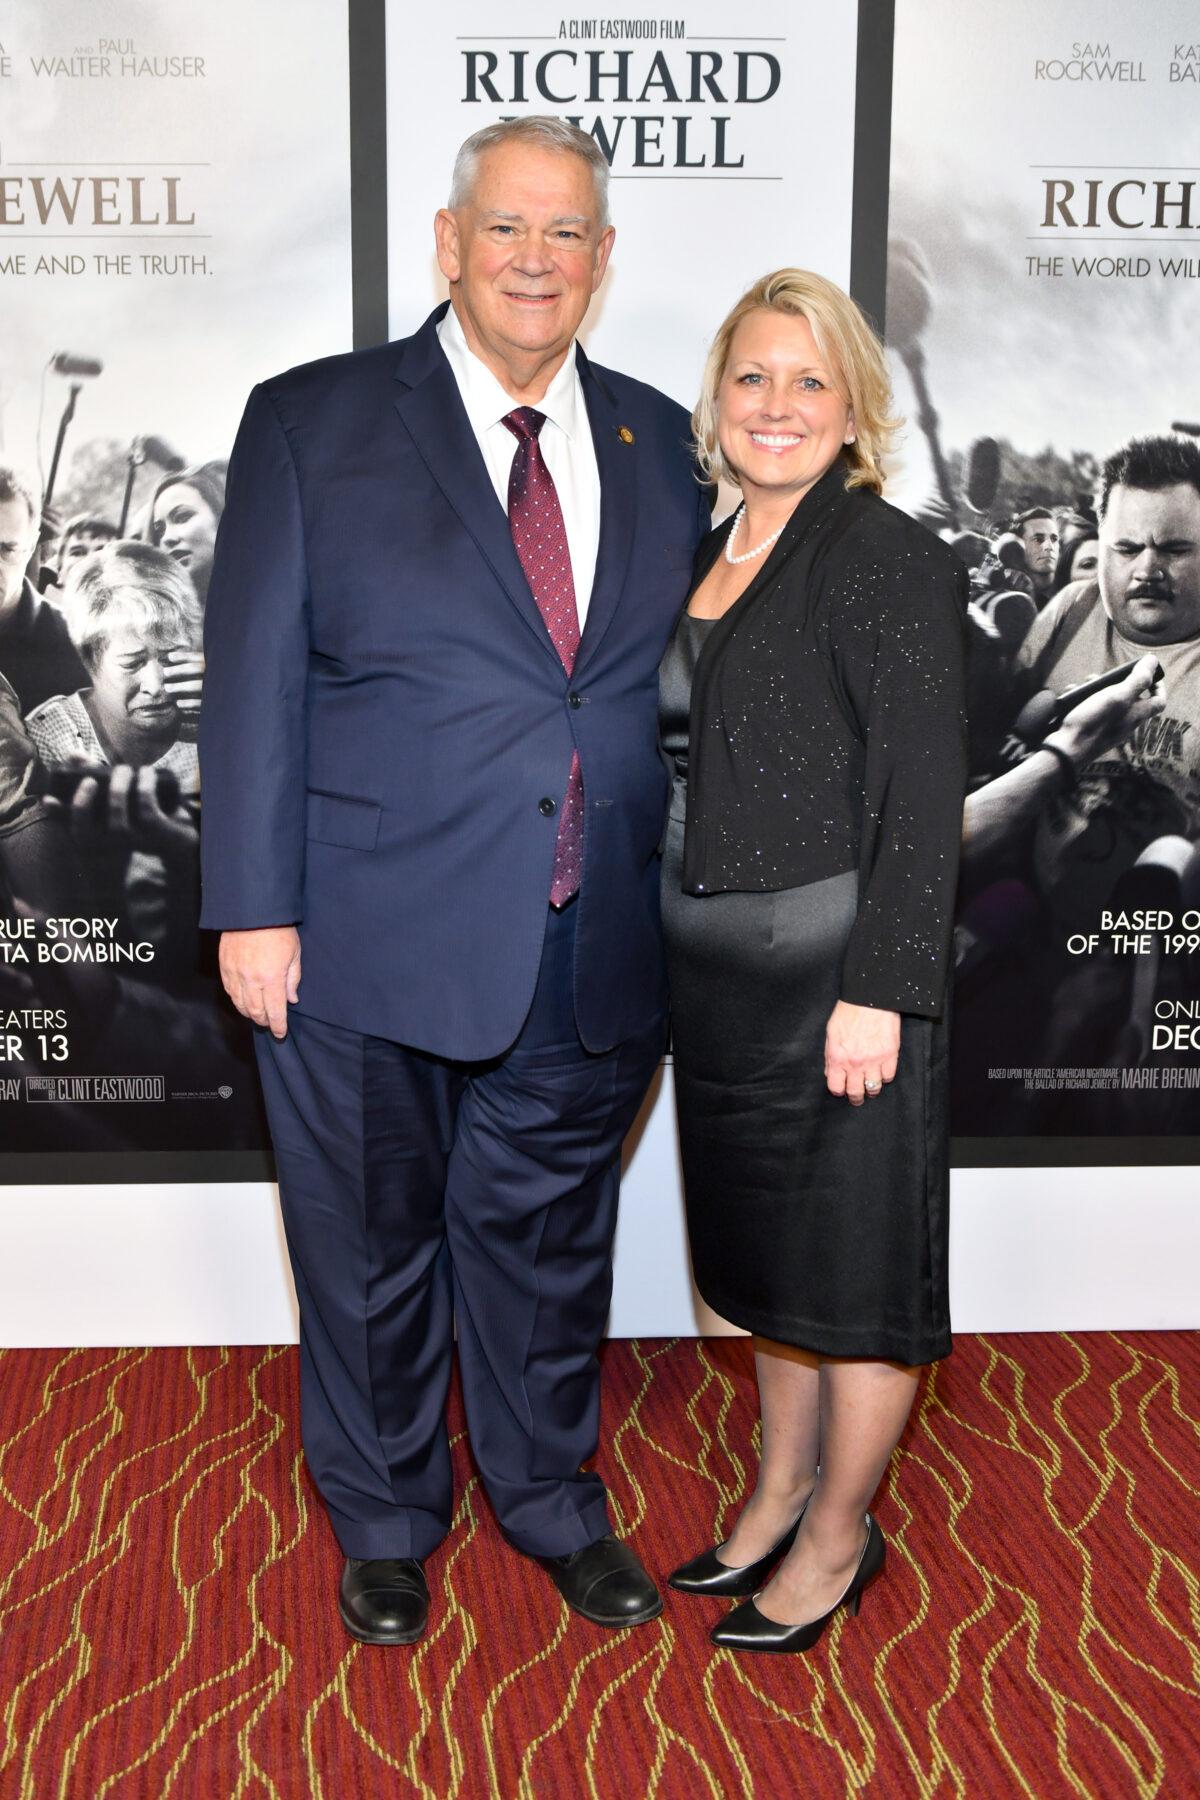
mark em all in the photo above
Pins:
pixel 812 700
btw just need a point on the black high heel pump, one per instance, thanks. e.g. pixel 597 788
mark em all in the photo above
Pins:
pixel 706 1574
pixel 745 1628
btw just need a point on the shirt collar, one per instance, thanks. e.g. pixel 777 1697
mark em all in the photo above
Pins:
pixel 484 398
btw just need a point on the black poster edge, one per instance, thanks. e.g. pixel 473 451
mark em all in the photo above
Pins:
pixel 872 158
pixel 1074 1152
pixel 128 1168
pixel 367 25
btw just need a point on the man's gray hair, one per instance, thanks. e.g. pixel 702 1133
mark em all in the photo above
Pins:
pixel 14 487
pixel 547 133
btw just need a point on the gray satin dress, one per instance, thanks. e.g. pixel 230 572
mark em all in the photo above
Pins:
pixel 811 1222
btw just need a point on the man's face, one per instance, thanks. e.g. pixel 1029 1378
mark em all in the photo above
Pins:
pixel 525 254
pixel 18 533
pixel 1150 563
pixel 80 544
pixel 1040 538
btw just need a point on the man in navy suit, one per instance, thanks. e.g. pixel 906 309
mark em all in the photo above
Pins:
pixel 446 573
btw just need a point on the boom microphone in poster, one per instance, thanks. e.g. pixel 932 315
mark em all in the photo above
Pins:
pixel 145 289
pixel 1042 275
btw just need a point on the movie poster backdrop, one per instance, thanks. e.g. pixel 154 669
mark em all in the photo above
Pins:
pixel 1043 284
pixel 174 223
pixel 174 226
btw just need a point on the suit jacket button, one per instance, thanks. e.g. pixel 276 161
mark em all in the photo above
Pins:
pixel 546 806
pixel 574 700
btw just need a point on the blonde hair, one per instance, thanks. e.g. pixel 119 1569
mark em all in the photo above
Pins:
pixel 847 344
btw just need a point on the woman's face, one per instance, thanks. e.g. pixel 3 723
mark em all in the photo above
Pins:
pixel 1085 561
pixel 781 421
pixel 129 693
pixel 186 527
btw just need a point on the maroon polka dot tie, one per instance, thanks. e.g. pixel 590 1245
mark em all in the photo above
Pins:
pixel 540 536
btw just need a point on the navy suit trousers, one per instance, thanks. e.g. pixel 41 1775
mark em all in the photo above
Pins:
pixel 419 1194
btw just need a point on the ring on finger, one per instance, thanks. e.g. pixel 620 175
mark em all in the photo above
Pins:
pixel 872 1087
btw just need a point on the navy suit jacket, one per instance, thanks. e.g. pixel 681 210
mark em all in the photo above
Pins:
pixel 385 716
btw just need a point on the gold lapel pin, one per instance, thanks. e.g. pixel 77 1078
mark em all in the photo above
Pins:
pixel 624 433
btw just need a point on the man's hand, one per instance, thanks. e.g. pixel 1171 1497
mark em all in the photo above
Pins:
pixel 1110 717
pixel 862 1048
pixel 261 973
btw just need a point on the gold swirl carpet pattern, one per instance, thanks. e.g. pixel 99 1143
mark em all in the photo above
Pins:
pixel 167 1580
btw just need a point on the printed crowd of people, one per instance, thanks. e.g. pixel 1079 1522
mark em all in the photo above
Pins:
pixel 101 675
pixel 1080 809
pixel 102 670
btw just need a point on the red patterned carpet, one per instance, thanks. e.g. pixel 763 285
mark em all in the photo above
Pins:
pixel 167 1624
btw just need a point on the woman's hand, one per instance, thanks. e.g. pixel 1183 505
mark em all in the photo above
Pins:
pixel 182 677
pixel 862 1046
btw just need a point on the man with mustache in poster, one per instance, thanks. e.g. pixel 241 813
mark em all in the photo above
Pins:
pixel 1119 772
pixel 1129 757
pixel 1146 599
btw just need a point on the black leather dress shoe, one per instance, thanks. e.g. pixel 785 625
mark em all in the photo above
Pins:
pixel 384 1600
pixel 606 1583
pixel 706 1574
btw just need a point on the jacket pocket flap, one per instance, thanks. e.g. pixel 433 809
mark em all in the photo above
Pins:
pixel 337 819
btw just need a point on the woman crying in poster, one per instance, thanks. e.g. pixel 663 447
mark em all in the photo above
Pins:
pixel 120 755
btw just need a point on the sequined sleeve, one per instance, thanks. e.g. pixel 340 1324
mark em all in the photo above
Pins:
pixel 896 629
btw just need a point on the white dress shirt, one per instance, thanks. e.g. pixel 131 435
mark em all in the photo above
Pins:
pixel 566 440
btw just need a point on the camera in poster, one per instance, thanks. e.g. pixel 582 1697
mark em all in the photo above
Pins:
pixel 1044 251
pixel 168 236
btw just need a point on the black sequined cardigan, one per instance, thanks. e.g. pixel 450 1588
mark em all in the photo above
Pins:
pixel 827 733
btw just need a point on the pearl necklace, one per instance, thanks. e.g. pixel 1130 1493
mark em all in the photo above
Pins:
pixel 748 555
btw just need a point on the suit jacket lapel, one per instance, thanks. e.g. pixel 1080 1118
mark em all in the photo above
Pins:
pixel 617 462
pixel 433 413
